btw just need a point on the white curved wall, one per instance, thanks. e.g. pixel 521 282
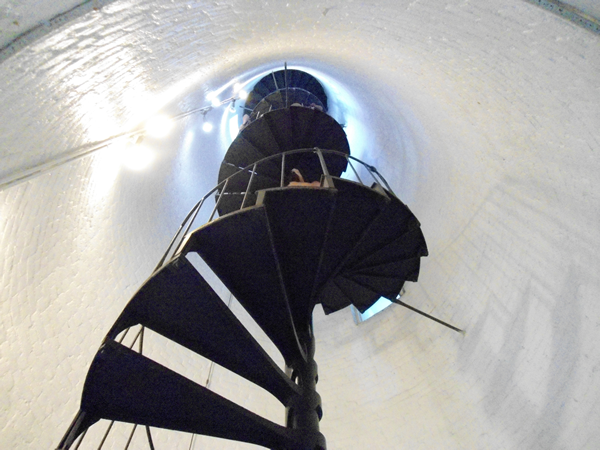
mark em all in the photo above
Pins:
pixel 485 120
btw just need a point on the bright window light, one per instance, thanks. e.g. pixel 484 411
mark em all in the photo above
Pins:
pixel 233 127
pixel 159 126
pixel 207 127
pixel 377 307
pixel 215 102
pixel 237 87
pixel 137 157
pixel 242 94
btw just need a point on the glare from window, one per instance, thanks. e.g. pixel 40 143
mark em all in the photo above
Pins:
pixel 159 126
pixel 137 157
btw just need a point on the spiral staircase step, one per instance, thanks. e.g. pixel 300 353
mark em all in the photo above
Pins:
pixel 361 296
pixel 394 221
pixel 356 207
pixel 263 178
pixel 409 245
pixel 239 248
pixel 179 304
pixel 299 219
pixel 407 269
pixel 125 386
pixel 259 134
pixel 332 298
pixel 244 152
pixel 388 287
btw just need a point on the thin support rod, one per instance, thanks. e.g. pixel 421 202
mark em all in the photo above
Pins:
pixel 274 80
pixel 249 185
pixel 399 302
pixel 355 172
pixel 150 443
pixel 130 436
pixel 142 339
pixel 112 422
pixel 196 208
pixel 193 218
pixel 282 169
pixel 81 438
pixel 218 201
pixel 322 160
pixel 192 441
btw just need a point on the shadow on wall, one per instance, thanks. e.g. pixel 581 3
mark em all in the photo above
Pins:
pixel 521 260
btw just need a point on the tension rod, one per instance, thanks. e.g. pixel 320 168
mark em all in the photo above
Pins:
pixel 397 301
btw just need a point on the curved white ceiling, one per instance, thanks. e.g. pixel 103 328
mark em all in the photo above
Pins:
pixel 485 119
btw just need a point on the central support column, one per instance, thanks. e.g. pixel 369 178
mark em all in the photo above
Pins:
pixel 305 412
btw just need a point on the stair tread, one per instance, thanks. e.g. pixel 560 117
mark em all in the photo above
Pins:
pixel 179 304
pixel 259 134
pixel 388 287
pixel 245 151
pixel 239 179
pixel 404 269
pixel 394 221
pixel 356 206
pixel 125 386
pixel 299 219
pixel 361 297
pixel 332 298
pixel 239 248
pixel 406 246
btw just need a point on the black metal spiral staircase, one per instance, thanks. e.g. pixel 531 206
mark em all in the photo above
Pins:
pixel 280 249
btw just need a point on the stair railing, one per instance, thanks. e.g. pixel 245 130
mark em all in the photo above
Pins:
pixel 176 243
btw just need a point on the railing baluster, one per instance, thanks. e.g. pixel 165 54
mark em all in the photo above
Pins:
pixel 354 170
pixel 370 169
pixel 160 263
pixel 322 160
pixel 219 200
pixel 249 185
pixel 190 223
pixel 282 169
pixel 383 180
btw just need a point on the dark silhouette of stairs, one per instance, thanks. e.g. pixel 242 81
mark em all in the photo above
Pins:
pixel 280 250
pixel 276 81
pixel 299 246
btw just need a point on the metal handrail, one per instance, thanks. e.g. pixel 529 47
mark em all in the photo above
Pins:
pixel 179 237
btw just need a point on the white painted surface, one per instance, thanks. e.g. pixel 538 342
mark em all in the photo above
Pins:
pixel 484 116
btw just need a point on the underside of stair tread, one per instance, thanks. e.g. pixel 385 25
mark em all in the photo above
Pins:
pixel 362 297
pixel 125 386
pixel 302 125
pixel 263 178
pixel 277 81
pixel 409 245
pixel 179 304
pixel 239 248
pixel 281 127
pixel 388 287
pixel 259 134
pixel 394 221
pixel 407 269
pixel 245 152
pixel 332 298
pixel 356 206
pixel 299 219
pixel 232 201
